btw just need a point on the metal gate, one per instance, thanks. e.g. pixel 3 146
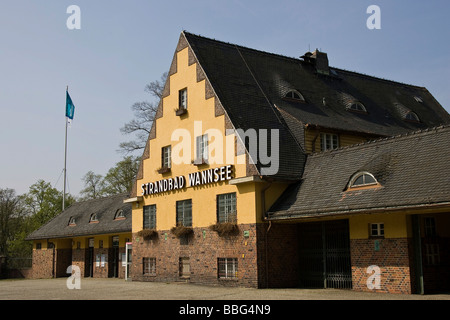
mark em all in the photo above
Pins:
pixel 324 250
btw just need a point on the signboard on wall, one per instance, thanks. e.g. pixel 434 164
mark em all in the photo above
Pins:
pixel 198 178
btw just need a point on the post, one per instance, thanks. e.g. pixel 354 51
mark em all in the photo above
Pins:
pixel 65 162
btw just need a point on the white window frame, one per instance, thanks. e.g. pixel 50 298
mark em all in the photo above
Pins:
pixel 166 157
pixel 149 266
pixel 329 141
pixel 364 184
pixel 182 99
pixel 227 268
pixel 201 145
pixel 226 208
pixel 379 229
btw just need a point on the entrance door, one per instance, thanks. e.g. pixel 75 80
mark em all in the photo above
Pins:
pixel 114 270
pixel 128 252
pixel 324 250
pixel 90 258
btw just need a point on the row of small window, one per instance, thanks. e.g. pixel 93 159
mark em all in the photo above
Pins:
pixel 226 211
pixel 227 268
pixel 119 215
pixel 356 106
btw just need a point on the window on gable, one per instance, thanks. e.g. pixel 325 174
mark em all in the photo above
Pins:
pixel 201 155
pixel 182 99
pixel 357 106
pixel 363 179
pixel 294 95
pixel 166 157
pixel 411 116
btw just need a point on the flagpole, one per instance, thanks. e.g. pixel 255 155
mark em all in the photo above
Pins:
pixel 65 162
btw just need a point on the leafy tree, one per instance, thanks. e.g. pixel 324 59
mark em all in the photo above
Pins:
pixel 44 202
pixel 144 114
pixel 120 178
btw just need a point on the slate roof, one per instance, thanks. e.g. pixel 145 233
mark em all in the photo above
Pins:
pixel 413 171
pixel 251 84
pixel 105 208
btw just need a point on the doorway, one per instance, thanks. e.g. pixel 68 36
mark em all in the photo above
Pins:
pixel 324 252
pixel 114 256
pixel 89 272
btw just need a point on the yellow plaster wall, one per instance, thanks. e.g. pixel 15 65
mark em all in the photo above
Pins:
pixel 203 197
pixel 395 225
pixel 312 137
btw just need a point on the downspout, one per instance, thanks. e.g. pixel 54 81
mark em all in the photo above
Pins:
pixel 264 216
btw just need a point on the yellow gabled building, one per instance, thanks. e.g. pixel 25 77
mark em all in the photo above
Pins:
pixel 237 135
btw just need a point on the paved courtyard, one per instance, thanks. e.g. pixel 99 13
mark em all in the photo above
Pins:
pixel 118 289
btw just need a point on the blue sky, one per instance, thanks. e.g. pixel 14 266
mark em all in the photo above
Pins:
pixel 123 45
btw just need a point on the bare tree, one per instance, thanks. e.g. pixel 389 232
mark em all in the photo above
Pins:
pixel 93 186
pixel 144 114
pixel 11 214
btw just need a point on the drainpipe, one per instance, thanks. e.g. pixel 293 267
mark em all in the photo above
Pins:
pixel 264 216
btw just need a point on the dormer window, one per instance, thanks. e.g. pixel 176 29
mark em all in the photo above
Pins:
pixel 294 95
pixel 119 215
pixel 93 218
pixel 72 221
pixel 411 116
pixel 363 179
pixel 357 106
pixel 418 99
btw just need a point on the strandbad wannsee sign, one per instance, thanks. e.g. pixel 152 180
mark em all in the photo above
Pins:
pixel 194 179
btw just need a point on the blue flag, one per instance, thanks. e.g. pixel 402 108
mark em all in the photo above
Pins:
pixel 70 108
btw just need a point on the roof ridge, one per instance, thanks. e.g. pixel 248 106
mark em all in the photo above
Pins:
pixel 408 134
pixel 302 61
pixel 102 198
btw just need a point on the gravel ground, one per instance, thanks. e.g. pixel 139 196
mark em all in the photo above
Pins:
pixel 118 289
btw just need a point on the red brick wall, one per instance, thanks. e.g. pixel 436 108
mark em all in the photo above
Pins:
pixel 42 263
pixel 203 249
pixel 393 259
pixel 282 266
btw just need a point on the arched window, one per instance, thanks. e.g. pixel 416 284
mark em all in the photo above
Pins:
pixel 357 106
pixel 93 218
pixel 72 221
pixel 294 95
pixel 119 214
pixel 362 179
pixel 411 116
